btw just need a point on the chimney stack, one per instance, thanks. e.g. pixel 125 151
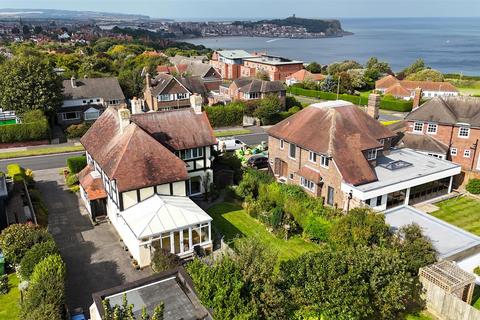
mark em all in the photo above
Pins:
pixel 73 81
pixel 124 117
pixel 137 105
pixel 196 102
pixel 148 81
pixel 417 98
pixel 373 106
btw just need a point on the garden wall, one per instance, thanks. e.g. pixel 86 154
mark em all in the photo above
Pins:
pixel 447 306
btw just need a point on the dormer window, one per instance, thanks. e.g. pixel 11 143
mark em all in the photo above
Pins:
pixel 372 154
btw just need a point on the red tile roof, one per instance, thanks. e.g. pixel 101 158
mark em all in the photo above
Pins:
pixel 302 75
pixel 397 90
pixel 389 81
pixel 133 158
pixel 341 131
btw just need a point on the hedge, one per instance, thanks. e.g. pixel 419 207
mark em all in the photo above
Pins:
pixel 76 164
pixel 77 130
pixel 396 105
pixel 16 172
pixel 226 116
pixel 36 254
pixel 26 131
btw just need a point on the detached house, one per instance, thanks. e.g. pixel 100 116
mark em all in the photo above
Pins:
pixel 253 89
pixel 405 89
pixel 85 99
pixel 209 76
pixel 336 151
pixel 141 170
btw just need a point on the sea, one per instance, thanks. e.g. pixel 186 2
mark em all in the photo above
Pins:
pixel 450 45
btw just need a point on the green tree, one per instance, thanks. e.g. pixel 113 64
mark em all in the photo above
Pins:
pixel 268 109
pixel 415 67
pixel 29 83
pixel 17 239
pixel 426 75
pixel 335 68
pixel 416 249
pixel 158 312
pixel 36 254
pixel 262 75
pixel 314 67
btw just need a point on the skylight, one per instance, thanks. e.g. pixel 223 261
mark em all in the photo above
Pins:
pixel 395 165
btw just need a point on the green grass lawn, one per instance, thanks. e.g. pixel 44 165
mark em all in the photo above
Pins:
pixel 419 316
pixel 39 152
pixel 463 212
pixel 234 132
pixel 231 221
pixel 10 302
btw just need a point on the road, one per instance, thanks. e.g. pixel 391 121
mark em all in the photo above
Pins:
pixel 41 162
pixel 252 139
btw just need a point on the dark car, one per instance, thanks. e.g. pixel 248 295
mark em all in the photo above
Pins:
pixel 258 162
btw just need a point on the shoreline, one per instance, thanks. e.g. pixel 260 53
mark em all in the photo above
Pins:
pixel 345 34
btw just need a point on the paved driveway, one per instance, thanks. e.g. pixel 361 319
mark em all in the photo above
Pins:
pixel 95 260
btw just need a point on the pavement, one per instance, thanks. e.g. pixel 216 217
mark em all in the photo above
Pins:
pixel 94 257
pixel 50 161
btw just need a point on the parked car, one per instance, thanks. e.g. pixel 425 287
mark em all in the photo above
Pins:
pixel 258 162
pixel 230 144
pixel 78 314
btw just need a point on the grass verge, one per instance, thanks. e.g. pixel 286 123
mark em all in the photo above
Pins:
pixel 463 212
pixel 387 123
pixel 231 221
pixel 10 302
pixel 39 152
pixel 228 133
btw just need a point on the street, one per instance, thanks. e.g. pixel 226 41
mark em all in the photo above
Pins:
pixel 252 139
pixel 41 162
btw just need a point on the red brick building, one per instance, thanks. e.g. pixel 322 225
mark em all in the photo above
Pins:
pixel 253 89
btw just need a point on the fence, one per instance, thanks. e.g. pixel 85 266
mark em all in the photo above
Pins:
pixel 447 306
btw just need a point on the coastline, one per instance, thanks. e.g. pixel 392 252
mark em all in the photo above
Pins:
pixel 345 33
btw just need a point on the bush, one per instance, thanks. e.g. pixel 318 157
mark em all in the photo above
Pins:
pixel 268 110
pixel 16 172
pixel 477 271
pixel 473 186
pixel 4 287
pixel 163 260
pixel 33 256
pixel 291 102
pixel 76 164
pixel 17 239
pixel 33 127
pixel 226 116
pixel 46 288
pixel 72 180
pixel 77 130
pixel 316 228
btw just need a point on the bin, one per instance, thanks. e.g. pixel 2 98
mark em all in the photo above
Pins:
pixel 2 264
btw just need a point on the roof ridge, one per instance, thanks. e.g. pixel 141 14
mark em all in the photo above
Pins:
pixel 332 130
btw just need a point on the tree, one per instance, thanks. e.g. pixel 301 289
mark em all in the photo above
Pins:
pixel 314 67
pixel 346 65
pixel 36 254
pixel 268 109
pixel 415 67
pixel 415 248
pixel 262 75
pixel 426 75
pixel 125 311
pixel 163 260
pixel 329 84
pixel 47 287
pixel 17 239
pixel 29 83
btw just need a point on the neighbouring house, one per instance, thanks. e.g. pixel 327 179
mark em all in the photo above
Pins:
pixel 276 68
pixel 229 62
pixel 179 59
pixel 336 151
pixel 167 92
pixel 141 170
pixel 174 288
pixel 86 99
pixel 446 128
pixel 405 89
pixel 252 89
pixel 209 76
pixel 302 76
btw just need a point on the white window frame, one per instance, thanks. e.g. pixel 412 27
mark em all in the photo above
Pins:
pixel 415 127
pixel 77 116
pixel 467 153
pixel 282 144
pixel 453 151
pixel 182 96
pixel 307 184
pixel 371 154
pixel 312 156
pixel 294 151
pixel 460 132
pixel 95 113
pixel 432 126
pixel 188 154
pixel 324 161
pixel 164 97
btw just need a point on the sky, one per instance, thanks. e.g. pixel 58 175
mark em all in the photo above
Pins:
pixel 208 9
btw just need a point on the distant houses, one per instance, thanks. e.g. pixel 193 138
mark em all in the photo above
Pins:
pixel 247 89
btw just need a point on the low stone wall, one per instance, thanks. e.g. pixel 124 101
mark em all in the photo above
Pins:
pixel 447 306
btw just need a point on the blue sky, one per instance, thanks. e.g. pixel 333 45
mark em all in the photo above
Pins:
pixel 202 9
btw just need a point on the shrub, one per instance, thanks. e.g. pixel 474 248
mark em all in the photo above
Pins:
pixel 76 164
pixel 163 260
pixel 316 228
pixel 77 130
pixel 225 116
pixel 47 287
pixel 4 287
pixel 477 271
pixel 33 127
pixel 17 239
pixel 36 254
pixel 72 179
pixel 268 110
pixel 16 172
pixel 473 186
pixel 291 102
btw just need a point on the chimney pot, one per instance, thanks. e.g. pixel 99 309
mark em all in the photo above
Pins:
pixel 196 102
pixel 417 98
pixel 373 106
pixel 124 118
pixel 73 81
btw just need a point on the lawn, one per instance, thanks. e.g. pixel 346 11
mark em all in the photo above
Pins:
pixel 231 221
pixel 9 303
pixel 39 152
pixel 463 212
pixel 233 132
pixel 387 123
pixel 419 316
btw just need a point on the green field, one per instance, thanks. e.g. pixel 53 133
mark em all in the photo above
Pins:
pixel 10 302
pixel 463 212
pixel 231 221
pixel 39 152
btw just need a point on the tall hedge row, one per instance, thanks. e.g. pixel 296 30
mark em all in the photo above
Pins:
pixel 34 127
pixel 226 116
pixel 402 106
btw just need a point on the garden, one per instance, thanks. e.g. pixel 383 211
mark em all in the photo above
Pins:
pixel 463 212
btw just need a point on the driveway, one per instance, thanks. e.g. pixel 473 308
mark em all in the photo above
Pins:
pixel 95 260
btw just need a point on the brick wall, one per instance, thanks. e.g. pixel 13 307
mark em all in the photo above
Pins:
pixel 331 176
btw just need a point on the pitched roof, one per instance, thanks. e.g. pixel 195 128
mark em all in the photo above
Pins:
pixel 449 110
pixel 304 75
pixel 161 82
pixel 177 129
pixel 389 81
pixel 397 90
pixel 106 88
pixel 133 158
pixel 256 85
pixel 424 142
pixel 338 129
pixel 386 82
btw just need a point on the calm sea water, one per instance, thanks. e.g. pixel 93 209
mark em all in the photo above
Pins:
pixel 446 44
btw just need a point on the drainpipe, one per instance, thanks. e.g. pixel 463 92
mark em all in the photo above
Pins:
pixel 474 147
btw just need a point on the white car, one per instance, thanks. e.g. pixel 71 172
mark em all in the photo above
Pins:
pixel 230 144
